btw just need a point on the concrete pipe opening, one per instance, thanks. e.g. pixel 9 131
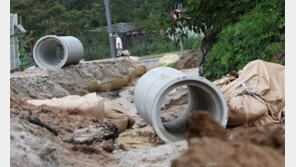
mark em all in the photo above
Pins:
pixel 54 51
pixel 156 84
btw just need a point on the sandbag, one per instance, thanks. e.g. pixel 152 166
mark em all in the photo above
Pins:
pixel 126 79
pixel 88 104
pixel 168 59
pixel 117 115
pixel 140 69
pixel 262 102
pixel 98 86
pixel 132 73
pixel 141 137
pixel 116 82
pixel 135 58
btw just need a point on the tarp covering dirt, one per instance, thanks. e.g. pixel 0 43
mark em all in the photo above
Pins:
pixel 93 105
pixel 256 94
pixel 117 115
pixel 89 104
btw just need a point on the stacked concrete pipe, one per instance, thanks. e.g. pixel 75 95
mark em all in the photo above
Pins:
pixel 157 83
pixel 45 51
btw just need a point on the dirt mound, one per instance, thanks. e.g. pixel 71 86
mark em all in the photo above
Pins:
pixel 245 147
pixel 71 126
pixel 215 152
pixel 71 80
pixel 188 60
pixel 202 124
pixel 270 136
pixel 32 145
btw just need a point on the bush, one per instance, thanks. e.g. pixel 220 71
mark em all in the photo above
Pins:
pixel 259 34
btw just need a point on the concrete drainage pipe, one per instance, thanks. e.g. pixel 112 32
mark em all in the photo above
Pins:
pixel 57 51
pixel 153 86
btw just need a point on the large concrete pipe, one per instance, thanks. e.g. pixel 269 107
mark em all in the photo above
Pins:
pixel 45 51
pixel 152 88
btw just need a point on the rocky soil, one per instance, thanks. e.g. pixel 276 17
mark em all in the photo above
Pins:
pixel 189 60
pixel 44 137
pixel 211 145
pixel 71 80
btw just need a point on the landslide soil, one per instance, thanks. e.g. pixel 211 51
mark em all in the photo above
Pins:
pixel 189 60
pixel 34 145
pixel 44 137
pixel 71 80
pixel 211 145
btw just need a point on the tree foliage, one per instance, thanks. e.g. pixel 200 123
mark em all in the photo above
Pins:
pixel 235 32
pixel 259 34
pixel 77 17
pixel 48 17
pixel 73 16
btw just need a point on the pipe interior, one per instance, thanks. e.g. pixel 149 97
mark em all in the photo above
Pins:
pixel 200 98
pixel 51 52
pixel 173 107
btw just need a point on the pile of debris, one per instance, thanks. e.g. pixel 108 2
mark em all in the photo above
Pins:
pixel 211 145
pixel 74 125
pixel 57 121
pixel 189 60
pixel 76 79
pixel 38 134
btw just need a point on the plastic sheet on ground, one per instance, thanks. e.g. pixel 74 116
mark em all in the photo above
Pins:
pixel 256 94
pixel 136 138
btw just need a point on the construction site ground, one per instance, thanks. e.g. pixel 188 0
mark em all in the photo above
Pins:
pixel 34 145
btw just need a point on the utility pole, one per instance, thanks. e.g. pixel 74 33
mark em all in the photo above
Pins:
pixel 109 28
pixel 181 41
pixel 181 45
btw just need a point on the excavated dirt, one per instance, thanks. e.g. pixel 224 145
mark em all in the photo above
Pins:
pixel 71 80
pixel 75 139
pixel 34 146
pixel 44 137
pixel 71 126
pixel 202 124
pixel 208 145
pixel 188 60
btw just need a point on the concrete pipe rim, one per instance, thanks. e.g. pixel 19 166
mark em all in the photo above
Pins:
pixel 156 120
pixel 36 51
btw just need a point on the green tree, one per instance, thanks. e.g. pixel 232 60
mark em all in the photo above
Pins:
pixel 230 22
pixel 48 16
pixel 259 34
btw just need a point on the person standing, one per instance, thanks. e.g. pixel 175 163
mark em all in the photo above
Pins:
pixel 118 44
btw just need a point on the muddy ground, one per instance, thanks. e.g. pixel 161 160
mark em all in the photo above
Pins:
pixel 45 137
pixel 189 60
pixel 211 145
pixel 71 80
